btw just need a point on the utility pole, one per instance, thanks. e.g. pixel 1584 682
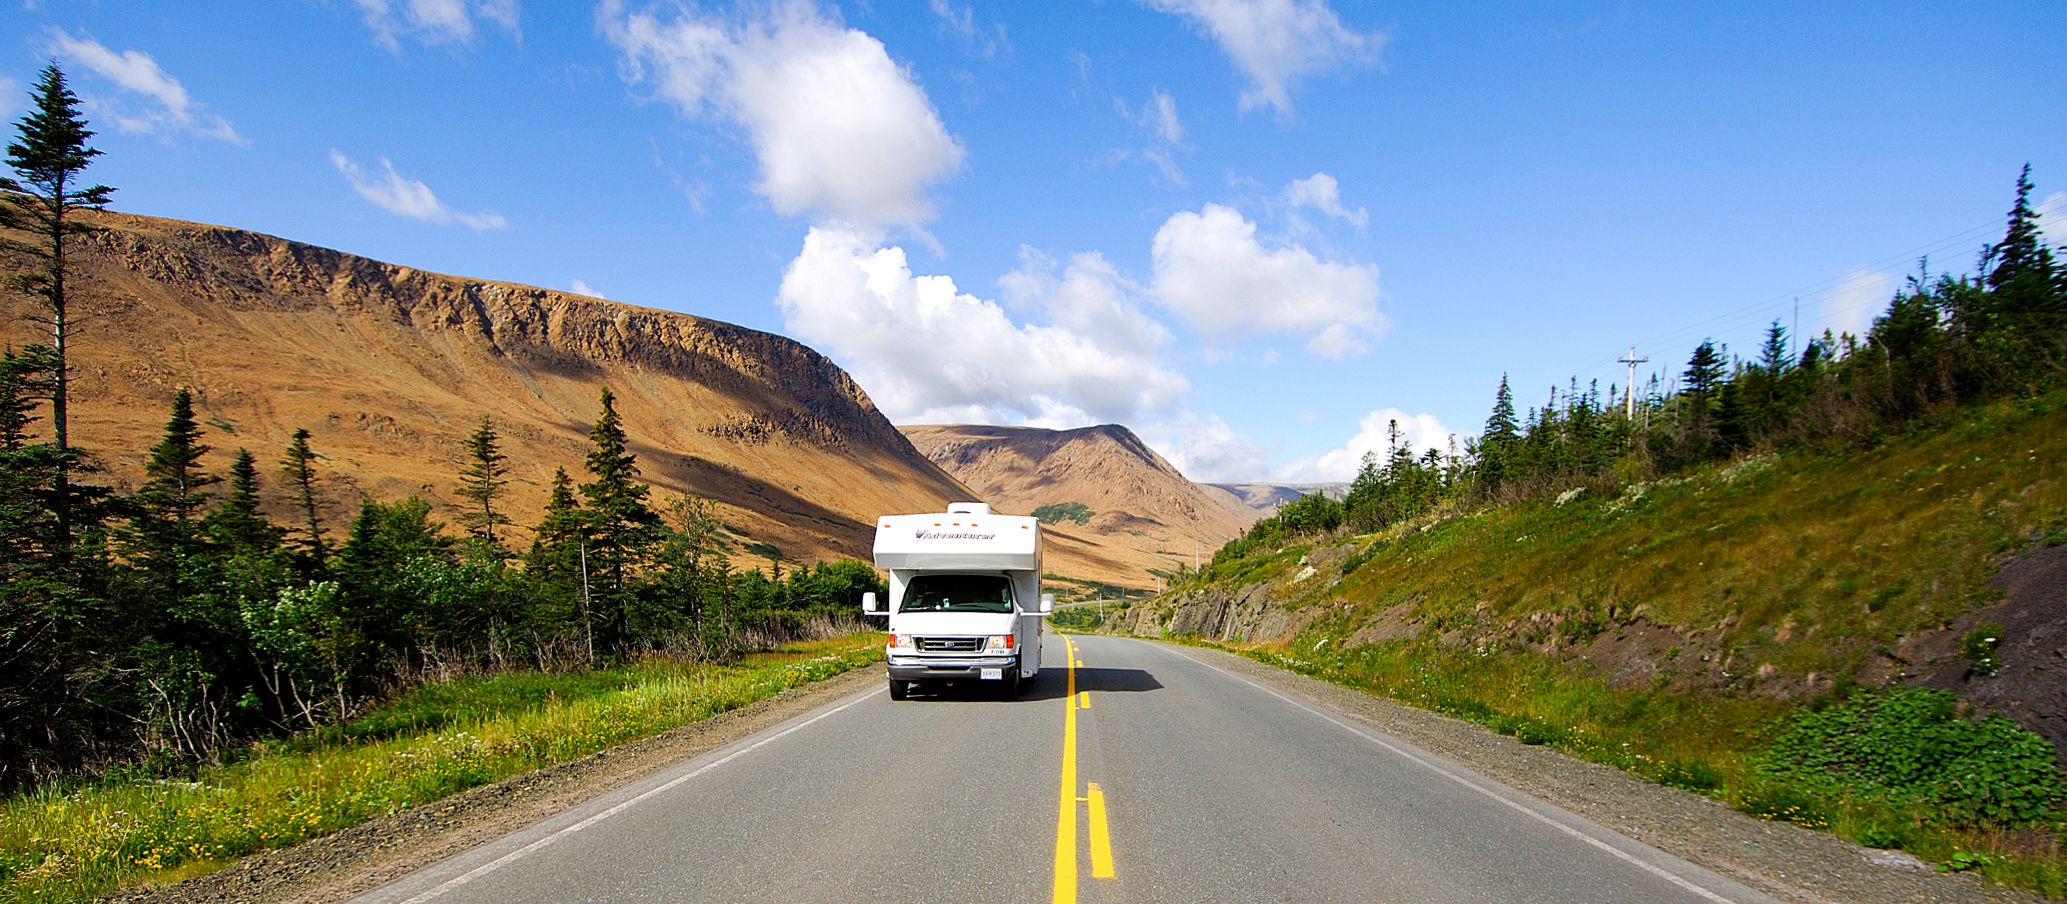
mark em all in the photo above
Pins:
pixel 1629 389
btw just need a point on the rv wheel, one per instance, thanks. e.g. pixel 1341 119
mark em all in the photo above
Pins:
pixel 897 689
pixel 1012 683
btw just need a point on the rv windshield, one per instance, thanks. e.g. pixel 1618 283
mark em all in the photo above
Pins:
pixel 958 593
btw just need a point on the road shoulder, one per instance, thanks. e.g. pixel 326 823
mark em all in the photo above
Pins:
pixel 1780 859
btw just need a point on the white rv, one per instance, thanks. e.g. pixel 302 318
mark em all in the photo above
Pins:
pixel 965 597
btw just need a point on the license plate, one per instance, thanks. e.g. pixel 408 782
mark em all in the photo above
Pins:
pixel 993 674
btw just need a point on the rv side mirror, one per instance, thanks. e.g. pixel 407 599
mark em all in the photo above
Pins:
pixel 868 604
pixel 1047 603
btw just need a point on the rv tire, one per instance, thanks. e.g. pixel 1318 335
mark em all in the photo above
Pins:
pixel 897 689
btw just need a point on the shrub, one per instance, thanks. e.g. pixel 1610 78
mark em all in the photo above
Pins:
pixel 1910 745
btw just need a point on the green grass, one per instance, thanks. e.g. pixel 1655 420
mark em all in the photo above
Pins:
pixel 1787 571
pixel 76 843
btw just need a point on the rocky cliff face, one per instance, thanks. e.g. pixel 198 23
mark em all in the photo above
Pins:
pixel 1140 509
pixel 391 367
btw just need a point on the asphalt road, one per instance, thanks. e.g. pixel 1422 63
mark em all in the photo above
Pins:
pixel 1161 779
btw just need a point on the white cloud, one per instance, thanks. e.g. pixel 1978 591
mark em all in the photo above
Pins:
pixel 928 352
pixel 2052 218
pixel 1861 295
pixel 1419 432
pixel 840 129
pixel 983 42
pixel 1206 449
pixel 579 287
pixel 401 196
pixel 170 108
pixel 434 21
pixel 1211 269
pixel 1089 298
pixel 1277 42
pixel 1321 192
pixel 1163 131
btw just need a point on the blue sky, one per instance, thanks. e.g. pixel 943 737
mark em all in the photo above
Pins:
pixel 1252 230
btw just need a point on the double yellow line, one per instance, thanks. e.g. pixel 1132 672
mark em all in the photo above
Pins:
pixel 1066 808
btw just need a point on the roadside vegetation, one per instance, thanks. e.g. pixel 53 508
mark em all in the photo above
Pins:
pixel 1715 589
pixel 78 839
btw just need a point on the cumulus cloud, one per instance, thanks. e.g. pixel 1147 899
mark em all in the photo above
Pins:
pixel 842 132
pixel 1321 192
pixel 1276 43
pixel 1206 449
pixel 1211 269
pixel 2052 218
pixel 1088 297
pixel 434 21
pixel 928 352
pixel 1419 432
pixel 1861 295
pixel 579 287
pixel 402 196
pixel 166 106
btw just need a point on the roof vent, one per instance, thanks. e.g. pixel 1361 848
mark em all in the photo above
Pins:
pixel 968 508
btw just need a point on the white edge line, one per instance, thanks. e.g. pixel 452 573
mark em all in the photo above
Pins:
pixel 540 844
pixel 1439 769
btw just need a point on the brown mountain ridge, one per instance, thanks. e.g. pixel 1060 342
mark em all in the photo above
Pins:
pixel 391 367
pixel 1146 513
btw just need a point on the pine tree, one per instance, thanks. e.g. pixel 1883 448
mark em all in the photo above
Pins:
pixel 480 483
pixel 40 199
pixel 299 467
pixel 2024 272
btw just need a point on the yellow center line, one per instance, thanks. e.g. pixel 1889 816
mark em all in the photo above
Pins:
pixel 1101 839
pixel 1083 699
pixel 1066 811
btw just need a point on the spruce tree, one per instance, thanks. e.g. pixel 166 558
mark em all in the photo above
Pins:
pixel 170 501
pixel 299 468
pixel 480 484
pixel 236 523
pixel 48 159
pixel 2024 272
pixel 1498 443
pixel 622 527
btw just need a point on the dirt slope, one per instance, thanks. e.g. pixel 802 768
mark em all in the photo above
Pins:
pixel 391 367
pixel 1143 514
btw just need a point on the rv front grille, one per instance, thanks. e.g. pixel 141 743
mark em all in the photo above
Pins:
pixel 950 644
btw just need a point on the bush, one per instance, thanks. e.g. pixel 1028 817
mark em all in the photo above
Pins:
pixel 1910 745
pixel 1058 512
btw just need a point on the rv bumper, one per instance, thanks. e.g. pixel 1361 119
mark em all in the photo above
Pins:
pixel 905 668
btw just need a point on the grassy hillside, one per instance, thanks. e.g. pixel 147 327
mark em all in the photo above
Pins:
pixel 1678 628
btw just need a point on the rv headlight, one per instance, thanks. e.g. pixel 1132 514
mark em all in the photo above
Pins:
pixel 902 642
pixel 998 643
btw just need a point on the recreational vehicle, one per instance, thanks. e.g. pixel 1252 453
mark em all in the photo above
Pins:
pixel 965 598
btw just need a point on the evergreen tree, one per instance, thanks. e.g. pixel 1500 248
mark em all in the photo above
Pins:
pixel 622 528
pixel 170 500
pixel 480 483
pixel 236 524
pixel 299 467
pixel 41 198
pixel 1498 445
pixel 2024 272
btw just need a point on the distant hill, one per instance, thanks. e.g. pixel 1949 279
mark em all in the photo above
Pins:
pixel 390 368
pixel 1265 498
pixel 1102 485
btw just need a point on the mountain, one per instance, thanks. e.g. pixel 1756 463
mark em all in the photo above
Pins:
pixel 1264 498
pixel 1099 485
pixel 390 368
